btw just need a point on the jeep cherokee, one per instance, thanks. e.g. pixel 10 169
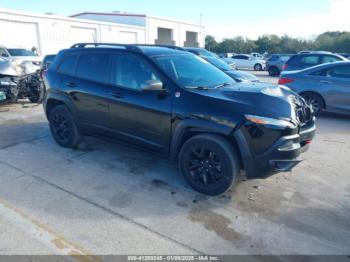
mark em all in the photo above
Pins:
pixel 179 105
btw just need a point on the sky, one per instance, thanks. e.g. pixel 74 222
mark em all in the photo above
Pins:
pixel 221 18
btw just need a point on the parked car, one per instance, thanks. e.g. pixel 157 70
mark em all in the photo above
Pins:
pixel 201 52
pixel 174 103
pixel 249 62
pixel 205 53
pixel 16 84
pixel 236 75
pixel 326 87
pixel 28 60
pixel 275 63
pixel 302 61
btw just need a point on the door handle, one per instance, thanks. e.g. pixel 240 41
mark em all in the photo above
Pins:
pixel 71 84
pixel 325 82
pixel 117 94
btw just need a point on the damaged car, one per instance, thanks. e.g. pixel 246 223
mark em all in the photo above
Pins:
pixel 18 81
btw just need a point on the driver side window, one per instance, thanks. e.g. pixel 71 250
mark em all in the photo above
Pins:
pixel 132 72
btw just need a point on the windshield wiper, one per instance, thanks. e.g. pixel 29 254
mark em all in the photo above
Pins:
pixel 222 85
pixel 198 87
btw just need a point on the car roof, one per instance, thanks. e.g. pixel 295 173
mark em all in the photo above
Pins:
pixel 148 50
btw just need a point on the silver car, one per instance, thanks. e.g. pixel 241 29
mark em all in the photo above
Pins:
pixel 326 87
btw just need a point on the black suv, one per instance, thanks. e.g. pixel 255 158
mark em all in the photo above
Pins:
pixel 177 104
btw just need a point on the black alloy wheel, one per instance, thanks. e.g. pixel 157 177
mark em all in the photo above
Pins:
pixel 63 127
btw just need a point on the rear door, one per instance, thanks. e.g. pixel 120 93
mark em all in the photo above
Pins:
pixel 338 81
pixel 141 117
pixel 241 61
pixel 87 83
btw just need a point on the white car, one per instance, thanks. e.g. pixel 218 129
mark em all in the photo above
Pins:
pixel 249 62
pixel 27 59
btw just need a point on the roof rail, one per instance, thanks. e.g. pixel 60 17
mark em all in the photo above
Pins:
pixel 126 46
pixel 166 46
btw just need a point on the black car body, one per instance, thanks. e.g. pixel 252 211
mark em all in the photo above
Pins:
pixel 310 59
pixel 180 106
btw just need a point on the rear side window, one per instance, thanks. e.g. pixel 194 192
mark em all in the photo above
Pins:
pixel 330 59
pixel 93 66
pixel 340 72
pixel 310 60
pixel 68 64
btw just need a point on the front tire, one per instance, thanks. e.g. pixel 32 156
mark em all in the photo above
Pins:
pixel 258 67
pixel 315 101
pixel 209 164
pixel 63 127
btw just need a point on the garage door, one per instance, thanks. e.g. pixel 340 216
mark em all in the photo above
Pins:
pixel 127 38
pixel 19 34
pixel 81 35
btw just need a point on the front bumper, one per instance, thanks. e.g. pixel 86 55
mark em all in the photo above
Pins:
pixel 282 156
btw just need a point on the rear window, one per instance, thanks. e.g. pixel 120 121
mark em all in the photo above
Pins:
pixel 310 60
pixel 93 66
pixel 330 59
pixel 68 64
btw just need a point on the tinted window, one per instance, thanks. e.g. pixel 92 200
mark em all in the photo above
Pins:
pixel 284 58
pixel 190 71
pixel 330 59
pixel 341 72
pixel 132 72
pixel 310 60
pixel 93 66
pixel 68 64
pixel 240 57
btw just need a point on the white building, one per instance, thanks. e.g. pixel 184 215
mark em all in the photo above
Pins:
pixel 50 33
pixel 158 30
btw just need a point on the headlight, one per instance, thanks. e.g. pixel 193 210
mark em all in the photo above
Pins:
pixel 270 121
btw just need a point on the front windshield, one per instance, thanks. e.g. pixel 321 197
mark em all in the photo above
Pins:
pixel 20 52
pixel 190 71
pixel 219 64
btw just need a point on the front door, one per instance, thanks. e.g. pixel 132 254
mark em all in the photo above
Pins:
pixel 141 117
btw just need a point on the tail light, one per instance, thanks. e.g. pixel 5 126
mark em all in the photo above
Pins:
pixel 284 81
pixel 285 67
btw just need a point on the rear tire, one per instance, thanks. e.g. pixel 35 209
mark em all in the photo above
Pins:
pixel 209 164
pixel 315 100
pixel 258 67
pixel 273 71
pixel 63 127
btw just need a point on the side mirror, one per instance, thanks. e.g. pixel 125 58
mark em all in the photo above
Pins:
pixel 152 85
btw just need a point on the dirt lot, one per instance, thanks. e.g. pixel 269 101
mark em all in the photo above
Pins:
pixel 109 198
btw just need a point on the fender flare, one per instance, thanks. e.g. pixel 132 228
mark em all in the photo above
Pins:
pixel 197 126
pixel 63 99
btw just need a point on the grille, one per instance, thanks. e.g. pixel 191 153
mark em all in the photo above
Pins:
pixel 303 111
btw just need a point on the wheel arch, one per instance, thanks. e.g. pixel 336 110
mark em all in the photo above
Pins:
pixel 314 92
pixel 58 99
pixel 187 129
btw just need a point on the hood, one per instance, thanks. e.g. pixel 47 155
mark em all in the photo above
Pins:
pixel 28 64
pixel 27 58
pixel 8 68
pixel 242 76
pixel 258 98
